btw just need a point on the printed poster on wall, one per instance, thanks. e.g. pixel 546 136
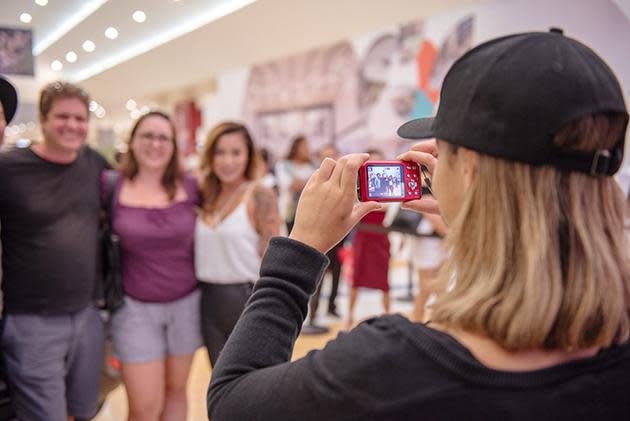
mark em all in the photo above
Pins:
pixel 16 52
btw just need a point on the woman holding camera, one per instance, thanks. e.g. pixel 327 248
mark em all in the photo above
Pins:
pixel 238 217
pixel 535 318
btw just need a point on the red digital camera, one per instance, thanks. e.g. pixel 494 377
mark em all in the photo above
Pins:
pixel 389 181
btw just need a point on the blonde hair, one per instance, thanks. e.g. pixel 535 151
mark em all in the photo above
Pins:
pixel 539 256
pixel 210 183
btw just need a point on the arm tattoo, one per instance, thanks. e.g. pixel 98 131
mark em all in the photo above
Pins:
pixel 266 215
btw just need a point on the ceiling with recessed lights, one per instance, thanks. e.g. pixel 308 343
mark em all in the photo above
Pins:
pixel 143 50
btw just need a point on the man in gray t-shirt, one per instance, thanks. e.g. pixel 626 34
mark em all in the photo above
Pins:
pixel 52 337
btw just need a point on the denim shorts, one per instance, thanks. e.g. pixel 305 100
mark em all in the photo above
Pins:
pixel 144 332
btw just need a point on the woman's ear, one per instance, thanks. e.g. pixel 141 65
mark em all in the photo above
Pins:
pixel 468 164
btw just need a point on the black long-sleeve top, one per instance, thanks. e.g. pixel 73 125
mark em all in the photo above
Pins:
pixel 388 368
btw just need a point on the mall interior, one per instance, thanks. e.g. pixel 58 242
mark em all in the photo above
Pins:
pixel 297 82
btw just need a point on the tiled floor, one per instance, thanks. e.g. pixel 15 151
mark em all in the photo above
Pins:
pixel 369 304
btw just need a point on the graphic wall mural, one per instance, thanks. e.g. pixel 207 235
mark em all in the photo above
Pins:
pixel 357 92
pixel 353 100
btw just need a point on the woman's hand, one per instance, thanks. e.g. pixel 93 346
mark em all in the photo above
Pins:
pixel 425 154
pixel 328 207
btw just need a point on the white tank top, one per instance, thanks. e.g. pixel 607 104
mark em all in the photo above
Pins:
pixel 227 253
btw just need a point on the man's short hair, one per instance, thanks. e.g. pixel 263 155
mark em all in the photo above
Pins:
pixel 61 89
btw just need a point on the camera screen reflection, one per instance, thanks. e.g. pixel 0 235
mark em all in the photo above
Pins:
pixel 385 181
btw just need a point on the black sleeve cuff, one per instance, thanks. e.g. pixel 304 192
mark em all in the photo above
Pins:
pixel 295 262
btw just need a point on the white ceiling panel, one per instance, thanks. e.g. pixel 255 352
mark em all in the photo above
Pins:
pixel 187 42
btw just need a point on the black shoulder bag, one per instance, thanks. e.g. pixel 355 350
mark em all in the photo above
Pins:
pixel 111 294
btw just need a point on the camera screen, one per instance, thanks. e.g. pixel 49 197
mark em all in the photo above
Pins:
pixel 385 181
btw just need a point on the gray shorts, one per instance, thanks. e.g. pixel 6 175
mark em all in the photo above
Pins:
pixel 145 332
pixel 54 363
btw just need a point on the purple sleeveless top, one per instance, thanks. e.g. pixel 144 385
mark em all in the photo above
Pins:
pixel 156 246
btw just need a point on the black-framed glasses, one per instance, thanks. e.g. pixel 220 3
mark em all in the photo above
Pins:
pixel 150 137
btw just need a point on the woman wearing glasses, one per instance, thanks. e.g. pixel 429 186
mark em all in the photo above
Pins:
pixel 157 330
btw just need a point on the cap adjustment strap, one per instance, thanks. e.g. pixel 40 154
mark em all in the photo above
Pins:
pixel 601 162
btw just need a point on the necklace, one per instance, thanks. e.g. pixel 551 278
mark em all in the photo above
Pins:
pixel 219 214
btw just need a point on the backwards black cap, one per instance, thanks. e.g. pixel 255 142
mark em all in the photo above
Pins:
pixel 8 97
pixel 508 98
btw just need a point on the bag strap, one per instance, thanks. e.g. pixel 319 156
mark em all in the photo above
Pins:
pixel 110 179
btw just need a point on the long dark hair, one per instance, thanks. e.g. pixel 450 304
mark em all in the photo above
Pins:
pixel 173 172
pixel 211 185
pixel 295 144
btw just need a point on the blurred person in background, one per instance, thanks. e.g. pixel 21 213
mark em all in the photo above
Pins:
pixel 326 151
pixel 268 178
pixel 157 330
pixel 52 336
pixel 330 151
pixel 427 255
pixel 370 257
pixel 536 322
pixel 8 105
pixel 238 217
pixel 292 174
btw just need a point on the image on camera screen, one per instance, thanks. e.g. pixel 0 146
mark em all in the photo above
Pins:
pixel 385 181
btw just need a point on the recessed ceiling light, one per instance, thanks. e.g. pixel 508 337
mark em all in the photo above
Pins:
pixel 100 112
pixel 131 105
pixel 79 11
pixel 89 46
pixel 139 16
pixel 41 2
pixel 26 18
pixel 93 105
pixel 111 33
pixel 71 56
pixel 168 33
pixel 56 65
